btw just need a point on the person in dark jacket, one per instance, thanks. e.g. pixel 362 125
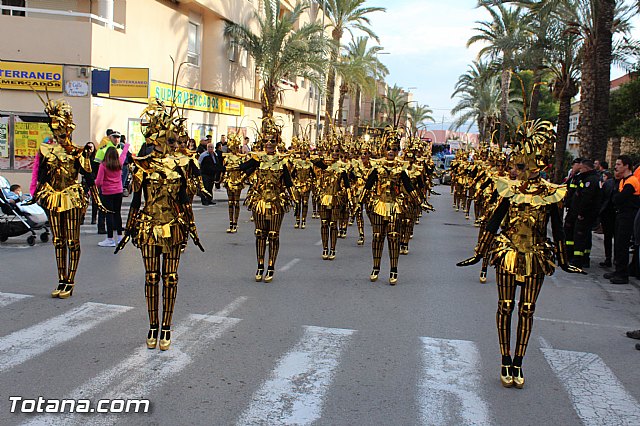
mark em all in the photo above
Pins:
pixel 607 216
pixel 208 170
pixel 626 201
pixel 585 205
pixel 570 218
pixel 219 163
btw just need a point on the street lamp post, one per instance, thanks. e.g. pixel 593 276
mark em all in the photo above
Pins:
pixel 324 7
pixel 375 95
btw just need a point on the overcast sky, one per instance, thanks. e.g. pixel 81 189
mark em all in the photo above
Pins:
pixel 426 41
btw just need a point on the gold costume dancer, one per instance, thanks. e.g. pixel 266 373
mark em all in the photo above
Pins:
pixel 303 177
pixel 61 195
pixel 409 216
pixel 233 179
pixel 361 169
pixel 386 194
pixel 168 179
pixel 522 253
pixel 333 185
pixel 269 197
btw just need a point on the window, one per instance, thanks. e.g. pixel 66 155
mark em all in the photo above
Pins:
pixel 193 47
pixel 16 3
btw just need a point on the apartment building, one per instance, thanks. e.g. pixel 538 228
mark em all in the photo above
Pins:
pixel 97 53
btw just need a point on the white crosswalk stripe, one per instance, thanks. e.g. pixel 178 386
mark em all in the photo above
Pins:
pixel 25 344
pixel 597 395
pixel 450 385
pixel 145 370
pixel 9 298
pixel 295 391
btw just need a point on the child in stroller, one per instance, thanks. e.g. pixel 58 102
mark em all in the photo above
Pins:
pixel 19 219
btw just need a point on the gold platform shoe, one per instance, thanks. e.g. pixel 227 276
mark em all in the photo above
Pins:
pixel 268 277
pixel 483 276
pixel 505 376
pixel 518 377
pixel 165 338
pixel 67 292
pixel 56 292
pixel 259 273
pixel 332 255
pixel 374 275
pixel 393 278
pixel 152 337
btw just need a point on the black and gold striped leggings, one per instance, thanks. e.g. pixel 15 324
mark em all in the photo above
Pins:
pixel 530 289
pixel 65 232
pixel 159 265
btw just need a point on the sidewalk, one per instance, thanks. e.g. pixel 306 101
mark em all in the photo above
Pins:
pixel 219 195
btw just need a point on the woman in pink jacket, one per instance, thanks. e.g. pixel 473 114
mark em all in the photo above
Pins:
pixel 109 180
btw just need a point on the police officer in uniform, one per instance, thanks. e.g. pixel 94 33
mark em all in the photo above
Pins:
pixel 585 205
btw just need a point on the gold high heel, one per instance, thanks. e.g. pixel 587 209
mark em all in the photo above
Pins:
pixel 269 275
pixel 393 278
pixel 259 273
pixel 332 255
pixel 325 254
pixel 303 224
pixel 152 337
pixel 297 225
pixel 374 275
pixel 361 240
pixel 230 228
pixel 518 377
pixel 56 292
pixel 507 378
pixel 67 292
pixel 483 276
pixel 165 338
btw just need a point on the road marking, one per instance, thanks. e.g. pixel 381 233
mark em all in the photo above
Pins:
pixel 319 243
pixel 227 310
pixel 295 391
pixel 9 298
pixel 145 370
pixel 589 324
pixel 596 393
pixel 289 265
pixel 543 343
pixel 449 390
pixel 27 343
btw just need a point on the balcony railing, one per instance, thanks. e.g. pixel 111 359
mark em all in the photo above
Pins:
pixel 89 16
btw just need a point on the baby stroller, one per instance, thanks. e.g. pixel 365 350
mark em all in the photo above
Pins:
pixel 19 219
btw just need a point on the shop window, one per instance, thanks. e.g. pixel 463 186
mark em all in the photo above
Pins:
pixel 20 139
pixel 16 3
pixel 193 46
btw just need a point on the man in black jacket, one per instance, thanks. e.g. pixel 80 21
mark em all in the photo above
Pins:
pixel 570 219
pixel 208 169
pixel 585 205
pixel 607 217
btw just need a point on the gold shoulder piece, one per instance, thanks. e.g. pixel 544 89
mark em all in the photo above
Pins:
pixel 504 186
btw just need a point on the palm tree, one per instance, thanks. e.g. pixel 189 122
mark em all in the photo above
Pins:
pixel 280 51
pixel 594 22
pixel 504 37
pixel 345 15
pixel 418 115
pixel 356 69
pixel 393 103
pixel 479 90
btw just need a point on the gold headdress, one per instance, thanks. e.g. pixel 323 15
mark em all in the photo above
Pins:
pixel 162 124
pixel 533 146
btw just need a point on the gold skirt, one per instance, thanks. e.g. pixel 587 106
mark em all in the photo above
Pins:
pixel 167 235
pixel 72 197
pixel 537 261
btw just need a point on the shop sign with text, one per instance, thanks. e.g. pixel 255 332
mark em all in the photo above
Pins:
pixel 26 76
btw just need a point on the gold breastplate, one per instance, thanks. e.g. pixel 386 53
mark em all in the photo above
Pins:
pixel 62 166
pixel 526 226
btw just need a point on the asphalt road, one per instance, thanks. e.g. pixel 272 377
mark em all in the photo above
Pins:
pixel 320 344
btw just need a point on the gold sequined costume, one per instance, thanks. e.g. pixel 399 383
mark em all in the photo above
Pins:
pixel 387 194
pixel 168 179
pixel 333 196
pixel 233 179
pixel 521 253
pixel 269 198
pixel 61 195
pixel 303 177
